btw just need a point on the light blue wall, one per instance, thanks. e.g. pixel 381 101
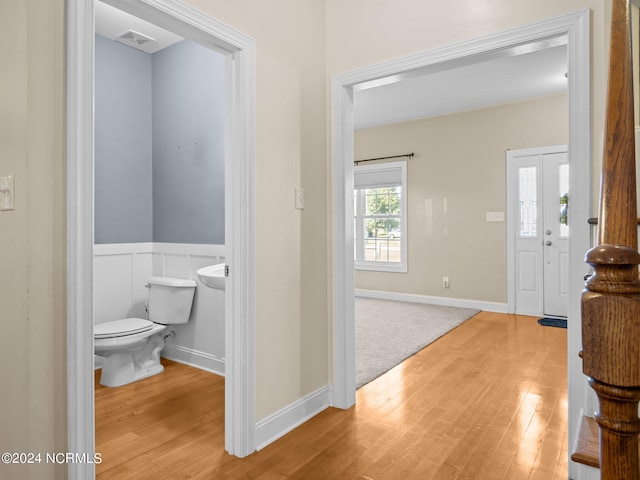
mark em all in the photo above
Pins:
pixel 123 165
pixel 159 144
pixel 188 144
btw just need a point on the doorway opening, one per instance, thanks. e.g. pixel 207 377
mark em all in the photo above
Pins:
pixel 238 50
pixel 576 29
pixel 158 217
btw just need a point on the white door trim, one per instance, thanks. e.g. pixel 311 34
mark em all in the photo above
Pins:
pixel 512 216
pixel 239 214
pixel 577 28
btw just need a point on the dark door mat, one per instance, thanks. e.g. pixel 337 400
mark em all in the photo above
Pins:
pixel 553 322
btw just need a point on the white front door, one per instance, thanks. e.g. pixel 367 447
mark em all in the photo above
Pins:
pixel 537 199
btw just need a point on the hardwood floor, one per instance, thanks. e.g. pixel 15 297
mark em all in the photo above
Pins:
pixel 486 401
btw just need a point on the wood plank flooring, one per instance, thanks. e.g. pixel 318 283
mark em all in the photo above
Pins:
pixel 486 401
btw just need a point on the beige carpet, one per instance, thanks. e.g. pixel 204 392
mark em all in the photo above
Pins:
pixel 388 332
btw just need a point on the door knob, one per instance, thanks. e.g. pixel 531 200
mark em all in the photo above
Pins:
pixel 548 232
pixel 547 243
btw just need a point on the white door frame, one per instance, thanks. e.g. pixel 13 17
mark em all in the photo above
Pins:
pixel 239 216
pixel 512 219
pixel 577 28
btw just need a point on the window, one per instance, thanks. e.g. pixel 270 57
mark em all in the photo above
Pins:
pixel 563 180
pixel 380 223
pixel 528 202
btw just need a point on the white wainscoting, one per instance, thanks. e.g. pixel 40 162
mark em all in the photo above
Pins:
pixel 120 272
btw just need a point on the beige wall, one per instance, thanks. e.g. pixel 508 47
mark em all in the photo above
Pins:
pixel 32 238
pixel 457 175
pixel 292 267
pixel 299 45
pixel 361 35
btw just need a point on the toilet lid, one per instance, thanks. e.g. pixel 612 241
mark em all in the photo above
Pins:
pixel 120 328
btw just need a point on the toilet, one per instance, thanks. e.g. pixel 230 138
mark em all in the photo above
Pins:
pixel 131 347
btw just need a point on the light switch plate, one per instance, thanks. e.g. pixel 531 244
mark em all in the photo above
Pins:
pixel 495 216
pixel 7 194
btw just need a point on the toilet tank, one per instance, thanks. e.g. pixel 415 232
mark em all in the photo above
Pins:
pixel 170 299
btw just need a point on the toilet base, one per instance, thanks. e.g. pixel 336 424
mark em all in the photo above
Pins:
pixel 122 368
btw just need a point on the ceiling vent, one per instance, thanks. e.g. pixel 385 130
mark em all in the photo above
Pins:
pixel 137 40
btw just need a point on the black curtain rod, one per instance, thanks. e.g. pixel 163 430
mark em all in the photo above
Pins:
pixel 408 155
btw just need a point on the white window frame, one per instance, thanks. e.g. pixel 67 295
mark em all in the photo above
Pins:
pixel 393 170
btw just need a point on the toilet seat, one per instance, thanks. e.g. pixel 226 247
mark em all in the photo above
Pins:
pixel 121 328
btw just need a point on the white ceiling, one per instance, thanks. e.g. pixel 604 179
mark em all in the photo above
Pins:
pixel 525 72
pixel 511 78
pixel 113 23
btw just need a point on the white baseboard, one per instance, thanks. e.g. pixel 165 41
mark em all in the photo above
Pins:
pixel 444 301
pixel 194 358
pixel 282 422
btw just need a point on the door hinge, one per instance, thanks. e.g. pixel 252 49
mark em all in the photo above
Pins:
pixel 226 270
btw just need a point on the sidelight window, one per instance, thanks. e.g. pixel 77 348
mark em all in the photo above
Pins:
pixel 528 192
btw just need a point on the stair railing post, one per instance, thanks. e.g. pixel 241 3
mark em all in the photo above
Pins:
pixel 611 301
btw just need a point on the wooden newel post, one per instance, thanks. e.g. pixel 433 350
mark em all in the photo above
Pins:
pixel 611 301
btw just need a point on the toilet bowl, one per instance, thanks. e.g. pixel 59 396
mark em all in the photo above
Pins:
pixel 131 347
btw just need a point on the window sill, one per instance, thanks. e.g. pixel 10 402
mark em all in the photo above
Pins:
pixel 377 267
